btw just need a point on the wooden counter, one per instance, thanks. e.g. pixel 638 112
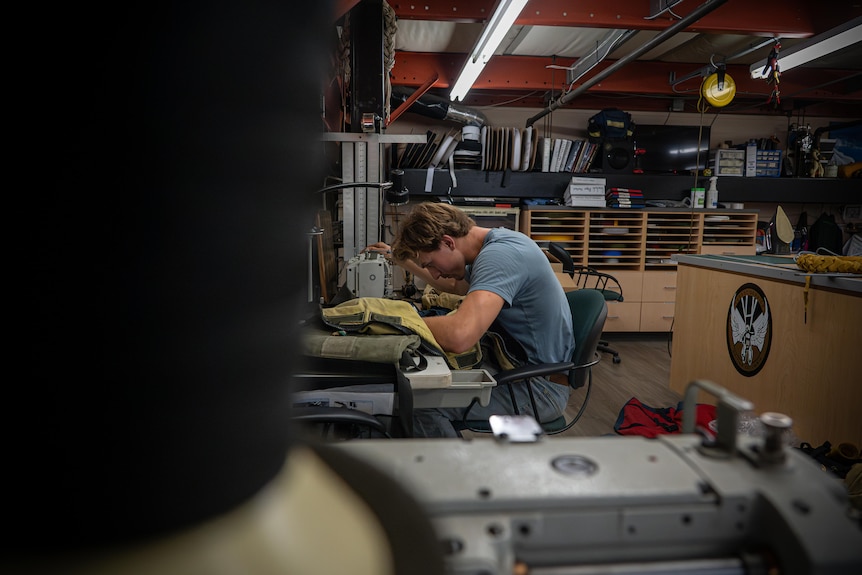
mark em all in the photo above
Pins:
pixel 812 370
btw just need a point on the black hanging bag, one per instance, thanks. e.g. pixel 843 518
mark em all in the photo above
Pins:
pixel 825 233
pixel 611 124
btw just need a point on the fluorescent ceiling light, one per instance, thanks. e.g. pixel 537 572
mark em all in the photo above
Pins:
pixel 814 48
pixel 495 30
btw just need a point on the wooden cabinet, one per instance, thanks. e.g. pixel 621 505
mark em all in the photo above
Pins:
pixel 810 370
pixel 625 315
pixel 657 300
pixel 637 247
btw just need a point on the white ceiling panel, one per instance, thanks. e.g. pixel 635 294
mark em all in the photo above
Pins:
pixel 428 36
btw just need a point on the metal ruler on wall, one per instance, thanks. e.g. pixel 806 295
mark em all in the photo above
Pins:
pixel 362 160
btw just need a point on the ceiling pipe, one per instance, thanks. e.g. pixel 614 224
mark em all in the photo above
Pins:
pixel 711 67
pixel 672 30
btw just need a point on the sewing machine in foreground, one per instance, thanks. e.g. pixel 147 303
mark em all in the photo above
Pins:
pixel 527 504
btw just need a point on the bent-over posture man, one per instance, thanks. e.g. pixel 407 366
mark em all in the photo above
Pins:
pixel 504 276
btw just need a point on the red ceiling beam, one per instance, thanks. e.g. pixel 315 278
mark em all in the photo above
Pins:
pixel 786 18
pixel 524 73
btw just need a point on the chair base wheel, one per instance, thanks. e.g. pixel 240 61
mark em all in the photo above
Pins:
pixel 617 359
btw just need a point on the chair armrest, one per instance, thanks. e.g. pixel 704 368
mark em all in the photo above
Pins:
pixel 338 415
pixel 528 371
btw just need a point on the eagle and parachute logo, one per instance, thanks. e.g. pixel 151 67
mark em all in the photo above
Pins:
pixel 749 329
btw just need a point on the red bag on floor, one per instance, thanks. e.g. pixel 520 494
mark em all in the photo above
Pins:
pixel 637 418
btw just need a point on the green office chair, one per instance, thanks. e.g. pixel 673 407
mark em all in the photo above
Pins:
pixel 590 278
pixel 589 311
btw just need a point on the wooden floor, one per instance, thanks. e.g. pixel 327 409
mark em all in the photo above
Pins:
pixel 643 372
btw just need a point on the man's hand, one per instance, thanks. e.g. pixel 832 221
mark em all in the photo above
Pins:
pixel 458 287
pixel 380 247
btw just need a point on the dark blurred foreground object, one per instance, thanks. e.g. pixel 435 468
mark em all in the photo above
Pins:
pixel 160 270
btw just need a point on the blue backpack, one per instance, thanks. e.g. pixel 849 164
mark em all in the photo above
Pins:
pixel 611 124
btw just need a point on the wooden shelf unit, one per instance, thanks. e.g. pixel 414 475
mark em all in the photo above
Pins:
pixel 731 236
pixel 508 184
pixel 637 247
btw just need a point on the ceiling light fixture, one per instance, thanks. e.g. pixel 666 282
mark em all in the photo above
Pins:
pixel 814 48
pixel 495 29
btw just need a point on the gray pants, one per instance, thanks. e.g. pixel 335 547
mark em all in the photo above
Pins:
pixel 551 400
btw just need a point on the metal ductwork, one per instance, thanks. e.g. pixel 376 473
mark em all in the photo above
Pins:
pixel 672 30
pixel 437 108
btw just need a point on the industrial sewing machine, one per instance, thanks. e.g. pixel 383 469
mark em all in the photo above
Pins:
pixel 527 504
pixel 369 275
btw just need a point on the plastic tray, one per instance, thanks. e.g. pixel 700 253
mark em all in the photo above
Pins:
pixel 466 384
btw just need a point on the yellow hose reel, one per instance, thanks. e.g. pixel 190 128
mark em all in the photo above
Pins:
pixel 718 89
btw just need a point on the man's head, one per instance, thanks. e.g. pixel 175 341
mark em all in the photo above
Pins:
pixel 423 229
pixel 428 237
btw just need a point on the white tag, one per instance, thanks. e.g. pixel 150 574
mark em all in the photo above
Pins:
pixel 515 428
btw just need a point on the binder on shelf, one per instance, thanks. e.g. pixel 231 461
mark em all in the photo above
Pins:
pixel 544 152
pixel 574 154
pixel 555 154
pixel 565 148
pixel 625 198
pixel 589 181
pixel 586 158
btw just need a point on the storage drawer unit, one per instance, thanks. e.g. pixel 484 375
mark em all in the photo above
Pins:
pixel 623 316
pixel 657 300
pixel 659 286
pixel 728 162
pixel 656 316
pixel 768 163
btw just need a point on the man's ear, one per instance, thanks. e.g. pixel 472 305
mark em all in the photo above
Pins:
pixel 448 241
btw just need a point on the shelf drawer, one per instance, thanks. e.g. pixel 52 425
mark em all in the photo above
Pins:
pixel 719 250
pixel 631 282
pixel 656 316
pixel 623 316
pixel 659 286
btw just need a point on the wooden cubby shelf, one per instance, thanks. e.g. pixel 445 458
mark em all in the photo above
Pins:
pixel 637 247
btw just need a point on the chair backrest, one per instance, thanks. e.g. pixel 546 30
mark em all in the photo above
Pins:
pixel 587 277
pixel 589 311
pixel 563 257
pixel 591 278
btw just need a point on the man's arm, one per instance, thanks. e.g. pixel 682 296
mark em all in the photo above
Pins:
pixel 448 285
pixel 460 330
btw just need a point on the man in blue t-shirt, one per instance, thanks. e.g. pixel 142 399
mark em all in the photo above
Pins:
pixel 504 276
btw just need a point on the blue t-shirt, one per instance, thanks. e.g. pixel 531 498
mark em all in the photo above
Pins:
pixel 535 311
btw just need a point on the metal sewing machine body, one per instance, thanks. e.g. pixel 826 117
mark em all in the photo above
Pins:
pixel 677 503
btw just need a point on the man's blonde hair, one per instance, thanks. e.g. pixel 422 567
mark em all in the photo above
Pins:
pixel 423 229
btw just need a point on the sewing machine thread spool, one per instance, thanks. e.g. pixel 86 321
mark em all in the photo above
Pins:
pixel 774 425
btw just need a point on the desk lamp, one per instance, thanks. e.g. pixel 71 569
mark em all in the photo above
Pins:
pixel 395 194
